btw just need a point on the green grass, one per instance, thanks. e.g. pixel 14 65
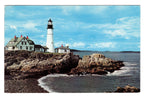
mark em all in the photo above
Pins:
pixel 53 53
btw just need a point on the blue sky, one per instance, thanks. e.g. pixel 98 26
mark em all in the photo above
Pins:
pixel 99 28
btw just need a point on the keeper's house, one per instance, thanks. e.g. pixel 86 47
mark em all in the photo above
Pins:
pixel 24 43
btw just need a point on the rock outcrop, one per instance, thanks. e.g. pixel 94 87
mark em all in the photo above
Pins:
pixel 96 64
pixel 23 64
pixel 127 89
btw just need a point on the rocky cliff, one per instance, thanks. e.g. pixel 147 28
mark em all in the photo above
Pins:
pixel 23 64
pixel 96 64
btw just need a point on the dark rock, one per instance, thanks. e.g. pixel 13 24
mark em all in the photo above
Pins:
pixel 120 89
pixel 96 64
pixel 127 89
pixel 24 64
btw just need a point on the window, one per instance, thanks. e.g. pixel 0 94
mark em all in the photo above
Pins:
pixel 13 47
pixel 10 42
pixel 30 48
pixel 26 47
pixel 20 47
pixel 25 43
pixel 22 42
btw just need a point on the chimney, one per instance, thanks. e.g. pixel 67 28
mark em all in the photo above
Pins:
pixel 67 45
pixel 21 36
pixel 27 37
pixel 15 37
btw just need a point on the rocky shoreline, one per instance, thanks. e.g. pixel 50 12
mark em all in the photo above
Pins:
pixel 25 67
pixel 96 64
pixel 127 88
pixel 29 85
pixel 26 64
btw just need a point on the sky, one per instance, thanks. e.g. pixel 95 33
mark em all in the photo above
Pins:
pixel 97 28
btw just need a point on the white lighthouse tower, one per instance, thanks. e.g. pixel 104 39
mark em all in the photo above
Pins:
pixel 50 43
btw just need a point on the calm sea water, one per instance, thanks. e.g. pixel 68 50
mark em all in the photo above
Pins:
pixel 128 75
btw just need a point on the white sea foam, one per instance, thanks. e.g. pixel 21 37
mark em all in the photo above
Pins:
pixel 124 71
pixel 47 88
pixel 43 84
pixel 129 64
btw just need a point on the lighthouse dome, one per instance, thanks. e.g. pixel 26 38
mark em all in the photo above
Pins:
pixel 49 20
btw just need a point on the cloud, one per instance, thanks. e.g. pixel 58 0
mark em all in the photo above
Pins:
pixel 125 27
pixel 13 27
pixel 98 9
pixel 78 44
pixel 31 26
pixel 71 45
pixel 42 36
pixel 59 43
pixel 68 9
pixel 23 26
pixel 103 45
pixel 113 33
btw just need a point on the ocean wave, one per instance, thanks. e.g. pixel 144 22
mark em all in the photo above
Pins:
pixel 44 86
pixel 47 88
pixel 124 71
pixel 127 70
pixel 130 64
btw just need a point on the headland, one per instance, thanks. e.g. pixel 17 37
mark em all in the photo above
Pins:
pixel 23 68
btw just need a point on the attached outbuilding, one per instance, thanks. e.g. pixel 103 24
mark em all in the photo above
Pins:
pixel 62 49
pixel 39 48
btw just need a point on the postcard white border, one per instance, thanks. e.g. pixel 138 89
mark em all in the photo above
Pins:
pixel 145 49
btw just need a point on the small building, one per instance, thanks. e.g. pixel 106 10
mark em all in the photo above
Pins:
pixel 24 43
pixel 62 49
pixel 40 48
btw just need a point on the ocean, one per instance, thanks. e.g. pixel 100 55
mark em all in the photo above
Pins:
pixel 128 75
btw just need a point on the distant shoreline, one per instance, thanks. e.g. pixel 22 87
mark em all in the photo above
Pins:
pixel 75 50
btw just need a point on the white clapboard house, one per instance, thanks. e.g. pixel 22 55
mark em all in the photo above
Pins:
pixel 24 43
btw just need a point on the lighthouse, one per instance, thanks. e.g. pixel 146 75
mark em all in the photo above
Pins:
pixel 50 43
